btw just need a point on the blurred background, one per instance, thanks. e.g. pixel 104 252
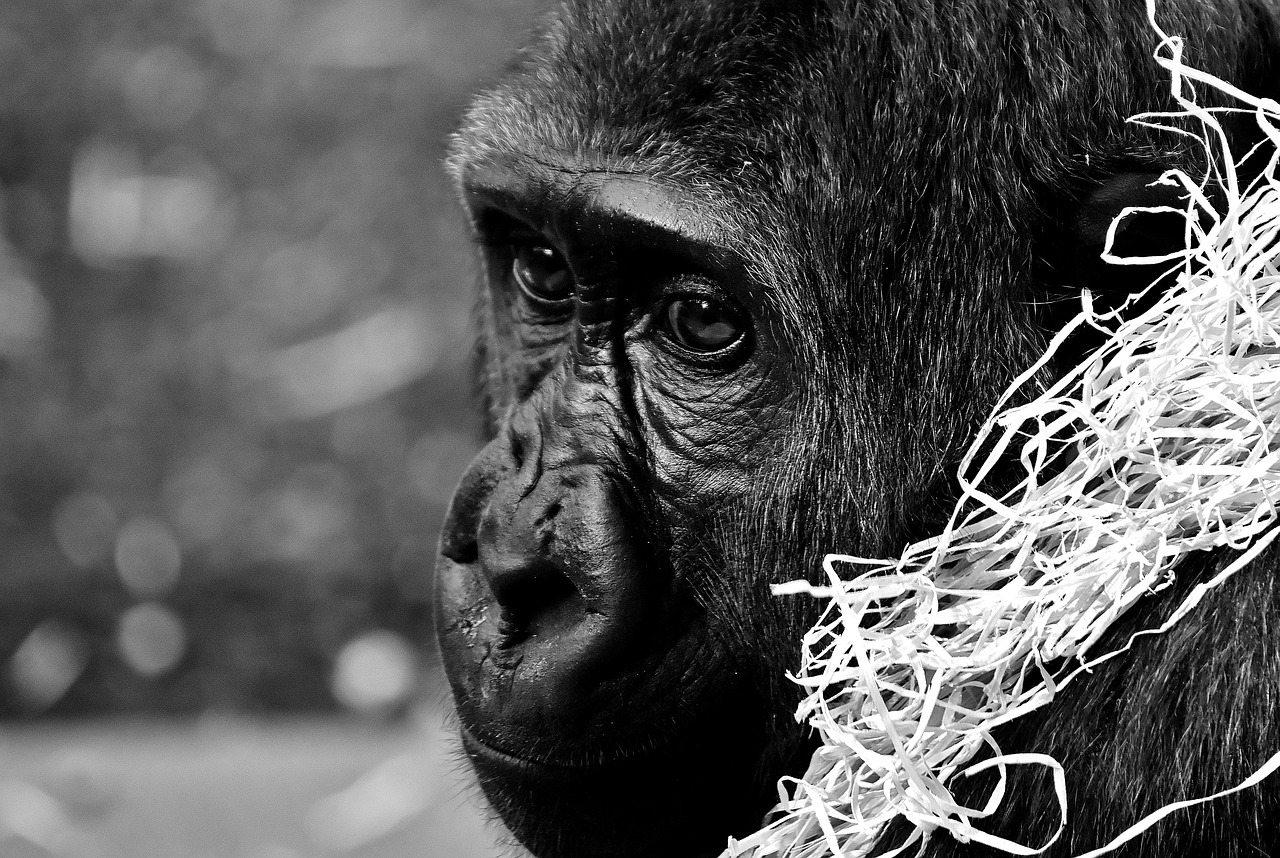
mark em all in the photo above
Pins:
pixel 234 295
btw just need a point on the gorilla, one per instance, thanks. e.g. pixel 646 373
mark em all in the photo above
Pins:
pixel 753 272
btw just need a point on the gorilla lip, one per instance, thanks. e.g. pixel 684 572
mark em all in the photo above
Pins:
pixel 490 755
pixel 526 767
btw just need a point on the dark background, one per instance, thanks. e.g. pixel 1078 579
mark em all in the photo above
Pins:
pixel 234 298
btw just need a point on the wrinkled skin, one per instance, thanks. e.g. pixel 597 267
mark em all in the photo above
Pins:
pixel 752 274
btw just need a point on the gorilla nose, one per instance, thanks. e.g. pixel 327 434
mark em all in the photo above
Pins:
pixel 553 594
pixel 515 534
pixel 556 561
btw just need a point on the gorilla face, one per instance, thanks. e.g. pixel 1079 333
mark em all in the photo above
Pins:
pixel 752 272
pixel 639 402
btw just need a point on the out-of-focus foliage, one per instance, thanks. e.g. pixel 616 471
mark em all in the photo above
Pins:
pixel 234 294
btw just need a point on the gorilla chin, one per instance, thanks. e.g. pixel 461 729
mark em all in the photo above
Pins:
pixel 649 803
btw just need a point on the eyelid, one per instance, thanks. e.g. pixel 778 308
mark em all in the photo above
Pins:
pixel 694 285
pixel 496 228
pixel 531 237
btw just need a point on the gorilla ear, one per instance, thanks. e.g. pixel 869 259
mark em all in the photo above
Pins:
pixel 1155 233
pixel 1150 239
pixel 1127 232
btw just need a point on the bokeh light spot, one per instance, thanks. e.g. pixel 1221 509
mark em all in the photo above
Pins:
pixel 151 639
pixel 374 673
pixel 46 663
pixel 118 212
pixel 148 558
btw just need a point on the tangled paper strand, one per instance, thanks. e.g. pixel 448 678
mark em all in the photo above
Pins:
pixel 1164 442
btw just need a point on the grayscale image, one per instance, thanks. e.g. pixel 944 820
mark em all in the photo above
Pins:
pixel 632 428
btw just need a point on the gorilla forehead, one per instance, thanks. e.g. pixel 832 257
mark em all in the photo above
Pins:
pixel 875 128
pixel 698 89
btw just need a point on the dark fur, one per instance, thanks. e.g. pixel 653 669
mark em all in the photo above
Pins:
pixel 902 181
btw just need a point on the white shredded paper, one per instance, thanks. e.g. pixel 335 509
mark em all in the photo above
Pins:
pixel 1162 443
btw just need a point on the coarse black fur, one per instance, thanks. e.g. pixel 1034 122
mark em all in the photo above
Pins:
pixel 900 201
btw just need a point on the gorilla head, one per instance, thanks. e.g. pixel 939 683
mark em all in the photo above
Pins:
pixel 753 271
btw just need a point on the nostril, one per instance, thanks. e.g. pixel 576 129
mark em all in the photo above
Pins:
pixel 528 598
pixel 460 547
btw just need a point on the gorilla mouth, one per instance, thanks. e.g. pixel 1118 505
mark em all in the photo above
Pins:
pixel 491 756
pixel 508 764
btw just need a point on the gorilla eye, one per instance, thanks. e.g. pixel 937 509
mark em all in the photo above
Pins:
pixel 702 325
pixel 541 272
